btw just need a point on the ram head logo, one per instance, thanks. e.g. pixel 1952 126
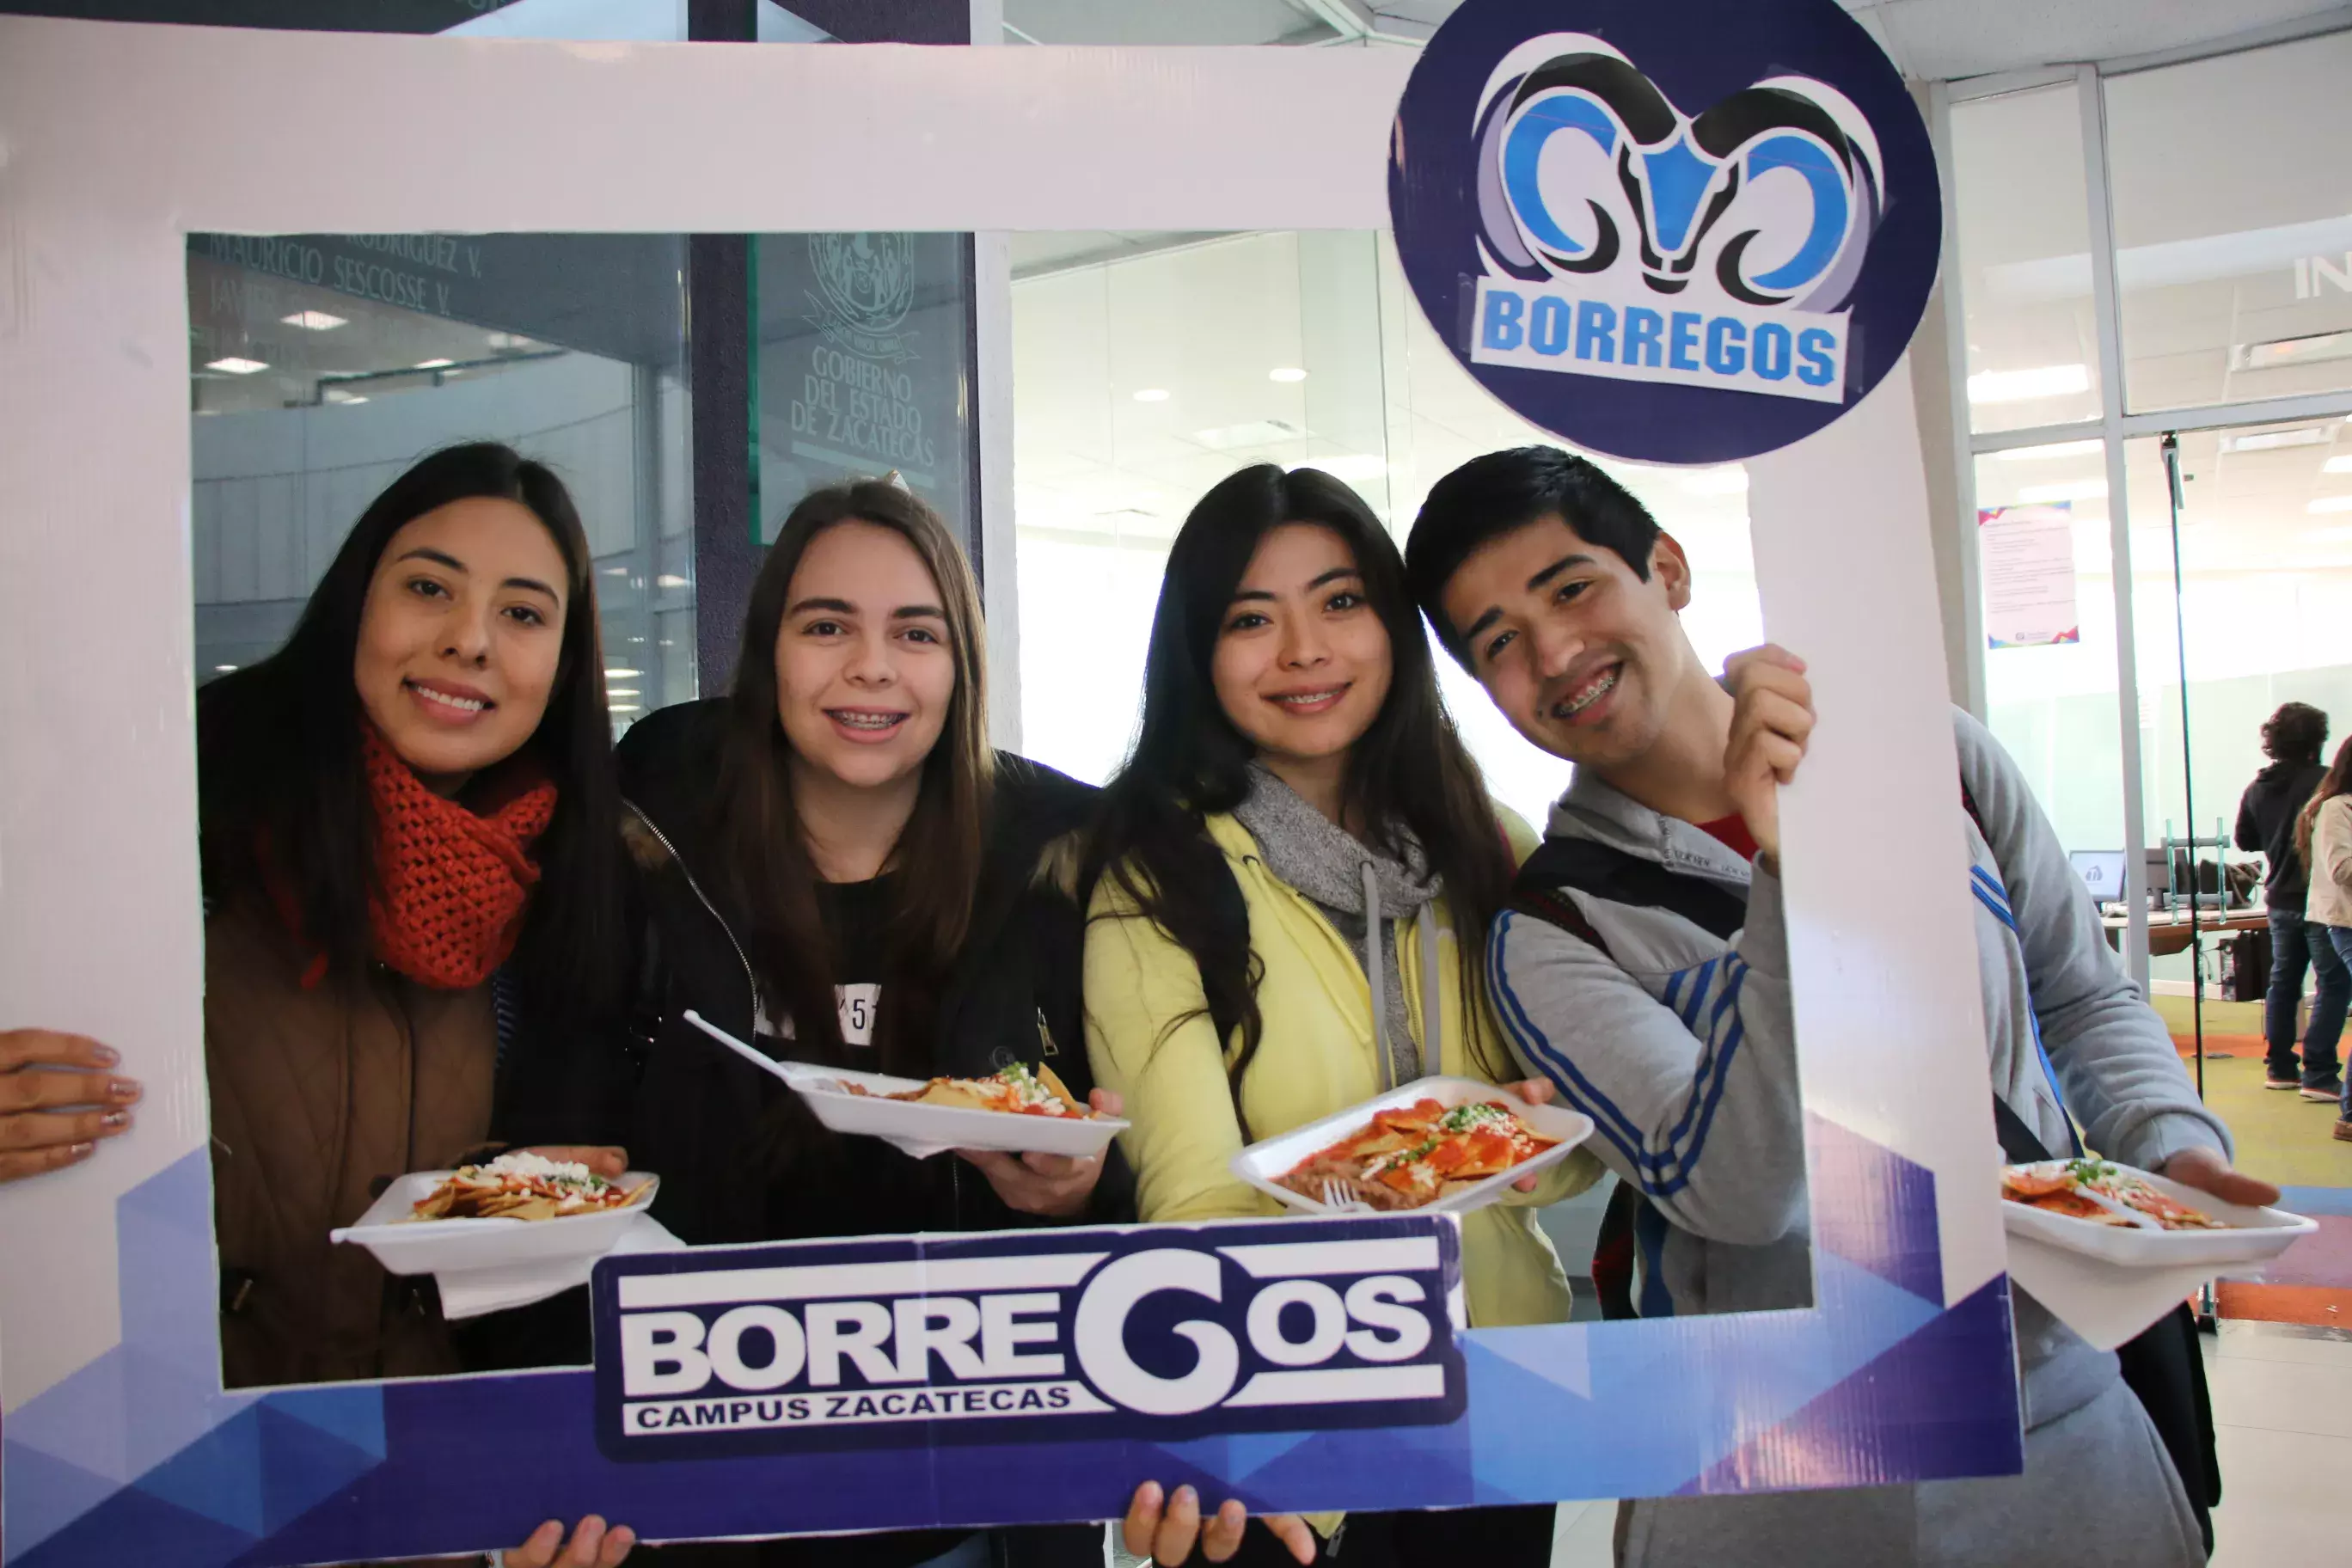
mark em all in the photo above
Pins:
pixel 1585 167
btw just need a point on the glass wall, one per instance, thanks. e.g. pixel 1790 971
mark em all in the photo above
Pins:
pixel 2233 228
pixel 861 370
pixel 321 366
pixel 2230 318
pixel 1146 368
pixel 2025 258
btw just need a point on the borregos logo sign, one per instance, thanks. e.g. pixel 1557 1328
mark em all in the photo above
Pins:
pixel 1665 198
pixel 1168 1332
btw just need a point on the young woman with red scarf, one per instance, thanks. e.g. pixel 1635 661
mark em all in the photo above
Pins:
pixel 412 894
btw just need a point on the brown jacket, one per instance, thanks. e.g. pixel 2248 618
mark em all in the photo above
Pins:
pixel 317 1095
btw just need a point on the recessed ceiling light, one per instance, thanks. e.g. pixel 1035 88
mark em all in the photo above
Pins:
pixel 230 669
pixel 435 364
pixel 2020 385
pixel 2331 503
pixel 2274 440
pixel 1286 372
pixel 236 366
pixel 2058 450
pixel 315 321
pixel 1152 395
pixel 2279 352
pixel 2072 489
pixel 2342 464
pixel 620 674
pixel 669 580
pixel 2337 534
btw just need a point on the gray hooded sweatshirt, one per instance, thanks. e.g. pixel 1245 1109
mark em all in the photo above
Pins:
pixel 1730 1187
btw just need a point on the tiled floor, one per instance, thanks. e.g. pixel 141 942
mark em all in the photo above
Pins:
pixel 2283 1415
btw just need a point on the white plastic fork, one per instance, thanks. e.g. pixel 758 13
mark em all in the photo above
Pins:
pixel 1339 1197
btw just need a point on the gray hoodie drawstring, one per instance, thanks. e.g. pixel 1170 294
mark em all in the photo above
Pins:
pixel 1430 1053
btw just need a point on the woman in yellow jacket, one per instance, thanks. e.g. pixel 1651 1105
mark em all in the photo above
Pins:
pixel 1294 749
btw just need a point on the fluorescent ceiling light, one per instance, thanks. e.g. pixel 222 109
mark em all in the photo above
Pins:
pixel 2290 351
pixel 2072 489
pixel 231 669
pixel 1286 372
pixel 669 580
pixel 2330 503
pixel 2337 534
pixel 2060 449
pixel 1250 433
pixel 315 321
pixel 2022 385
pixel 435 364
pixel 2273 441
pixel 621 707
pixel 621 691
pixel 1729 480
pixel 620 674
pixel 337 395
pixel 1152 395
pixel 2342 464
pixel 617 571
pixel 236 366
pixel 508 340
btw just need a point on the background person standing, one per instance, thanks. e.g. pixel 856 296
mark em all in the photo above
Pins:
pixel 2267 814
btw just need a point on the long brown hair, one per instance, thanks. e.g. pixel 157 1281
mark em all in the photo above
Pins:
pixel 773 879
pixel 2336 781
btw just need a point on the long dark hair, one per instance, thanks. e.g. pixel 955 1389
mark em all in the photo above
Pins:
pixel 280 777
pixel 2335 781
pixel 773 881
pixel 1408 774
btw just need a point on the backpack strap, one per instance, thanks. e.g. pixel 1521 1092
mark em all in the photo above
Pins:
pixel 1621 877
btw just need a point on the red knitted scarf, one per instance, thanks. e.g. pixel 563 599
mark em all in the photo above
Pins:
pixel 451 885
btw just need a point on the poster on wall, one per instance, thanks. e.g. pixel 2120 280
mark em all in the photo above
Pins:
pixel 1037 1374
pixel 2027 557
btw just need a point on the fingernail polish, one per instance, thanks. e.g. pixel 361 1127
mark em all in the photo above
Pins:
pixel 115 1119
pixel 106 1056
pixel 1186 1496
pixel 78 1150
pixel 124 1088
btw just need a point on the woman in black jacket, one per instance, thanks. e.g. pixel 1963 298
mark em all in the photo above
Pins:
pixel 838 868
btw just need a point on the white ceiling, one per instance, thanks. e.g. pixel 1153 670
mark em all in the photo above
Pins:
pixel 1925 38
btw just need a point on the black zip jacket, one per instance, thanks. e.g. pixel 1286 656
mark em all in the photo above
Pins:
pixel 718 1128
pixel 711 1123
pixel 2266 814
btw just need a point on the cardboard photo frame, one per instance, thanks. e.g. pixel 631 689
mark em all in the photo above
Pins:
pixel 117 1443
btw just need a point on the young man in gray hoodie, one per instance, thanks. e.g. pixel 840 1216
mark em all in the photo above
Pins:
pixel 1558 592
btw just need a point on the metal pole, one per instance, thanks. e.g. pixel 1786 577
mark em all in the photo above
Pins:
pixel 2171 449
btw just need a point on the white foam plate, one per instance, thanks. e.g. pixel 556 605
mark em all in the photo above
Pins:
pixel 922 1131
pixel 2108 1283
pixel 463 1245
pixel 1262 1162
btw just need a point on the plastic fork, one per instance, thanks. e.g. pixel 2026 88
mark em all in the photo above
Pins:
pixel 1339 1197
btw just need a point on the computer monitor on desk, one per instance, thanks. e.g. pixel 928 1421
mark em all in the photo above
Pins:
pixel 2102 871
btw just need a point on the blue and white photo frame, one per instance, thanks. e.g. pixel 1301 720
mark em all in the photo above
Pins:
pixel 117 1443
